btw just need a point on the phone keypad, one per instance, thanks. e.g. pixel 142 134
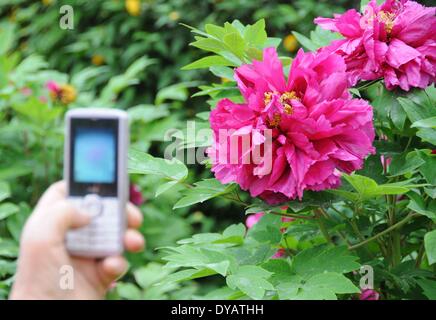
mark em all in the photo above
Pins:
pixel 103 235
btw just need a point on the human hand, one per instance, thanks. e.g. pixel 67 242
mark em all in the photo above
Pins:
pixel 43 253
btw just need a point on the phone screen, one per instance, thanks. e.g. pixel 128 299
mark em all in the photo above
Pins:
pixel 93 156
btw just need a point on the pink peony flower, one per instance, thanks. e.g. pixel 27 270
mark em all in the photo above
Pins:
pixel 53 87
pixel 314 127
pixel 369 294
pixel 135 195
pixel 253 219
pixel 394 41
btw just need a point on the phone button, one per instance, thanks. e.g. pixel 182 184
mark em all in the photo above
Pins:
pixel 93 204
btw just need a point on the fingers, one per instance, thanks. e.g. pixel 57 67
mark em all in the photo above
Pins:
pixel 56 192
pixel 111 268
pixel 133 241
pixel 134 216
pixel 65 216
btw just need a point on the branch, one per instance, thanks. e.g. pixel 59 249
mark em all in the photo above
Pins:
pixel 391 228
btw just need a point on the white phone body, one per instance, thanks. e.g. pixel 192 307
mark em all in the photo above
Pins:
pixel 95 171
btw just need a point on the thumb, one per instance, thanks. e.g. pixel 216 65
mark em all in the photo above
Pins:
pixel 59 217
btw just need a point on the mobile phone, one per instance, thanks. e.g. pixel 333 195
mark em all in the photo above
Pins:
pixel 95 171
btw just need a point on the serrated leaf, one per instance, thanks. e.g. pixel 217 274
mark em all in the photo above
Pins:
pixel 208 62
pixel 367 188
pixel 251 280
pixel 188 274
pixel 233 234
pixel 255 34
pixel 322 286
pixel 317 260
pixel 189 256
pixel 203 190
pixel 144 163
pixel 150 274
pixel 235 43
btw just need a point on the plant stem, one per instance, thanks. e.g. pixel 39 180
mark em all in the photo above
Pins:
pixel 292 215
pixel 391 228
pixel 340 233
pixel 420 256
pixel 322 227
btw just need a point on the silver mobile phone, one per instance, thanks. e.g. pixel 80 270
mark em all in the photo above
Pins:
pixel 95 170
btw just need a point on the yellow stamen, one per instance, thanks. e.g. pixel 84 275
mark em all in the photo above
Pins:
pixel 285 98
pixel 274 123
pixel 388 19
pixel 287 108
pixel 267 97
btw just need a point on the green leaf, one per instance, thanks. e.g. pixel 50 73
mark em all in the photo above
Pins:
pixel 147 113
pixel 144 163
pixel 405 163
pixel 8 248
pixel 14 171
pixel 322 286
pixel 128 291
pixel 188 274
pixel 235 43
pixel 255 34
pixel 320 259
pixel 7 209
pixel 418 205
pixel 429 288
pixel 208 62
pixel 427 135
pixel 196 257
pixel 305 42
pixel 430 246
pixel 367 188
pixel 222 72
pixel 119 82
pixel 428 168
pixel 37 111
pixel 215 31
pixel 209 44
pixel 396 113
pixel 414 111
pixel 203 190
pixel 165 187
pixel 233 234
pixel 7 31
pixel 178 92
pixel 5 191
pixel 425 123
pixel 150 274
pixel 251 280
